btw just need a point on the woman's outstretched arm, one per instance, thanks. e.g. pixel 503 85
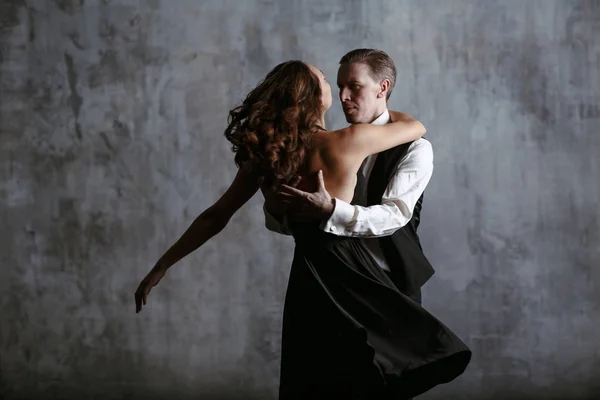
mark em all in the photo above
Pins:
pixel 205 226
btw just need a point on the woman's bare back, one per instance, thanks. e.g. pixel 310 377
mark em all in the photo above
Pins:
pixel 339 169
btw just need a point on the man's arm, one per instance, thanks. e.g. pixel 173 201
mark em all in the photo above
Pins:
pixel 398 201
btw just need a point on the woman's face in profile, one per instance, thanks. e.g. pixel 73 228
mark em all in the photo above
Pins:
pixel 325 87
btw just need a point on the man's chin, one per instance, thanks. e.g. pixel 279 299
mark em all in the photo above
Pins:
pixel 351 119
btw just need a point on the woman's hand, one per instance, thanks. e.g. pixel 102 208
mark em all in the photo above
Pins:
pixel 151 280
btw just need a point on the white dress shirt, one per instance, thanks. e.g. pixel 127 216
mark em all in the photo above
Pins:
pixel 406 185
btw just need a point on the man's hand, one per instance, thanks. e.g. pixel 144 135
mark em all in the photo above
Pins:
pixel 305 206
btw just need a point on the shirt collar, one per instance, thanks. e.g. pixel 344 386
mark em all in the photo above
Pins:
pixel 383 118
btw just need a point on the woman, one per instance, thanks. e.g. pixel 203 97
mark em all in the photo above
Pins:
pixel 347 331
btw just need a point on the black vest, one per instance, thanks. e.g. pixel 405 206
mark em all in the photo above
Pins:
pixel 409 268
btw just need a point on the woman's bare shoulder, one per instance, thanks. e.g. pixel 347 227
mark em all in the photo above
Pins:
pixel 334 149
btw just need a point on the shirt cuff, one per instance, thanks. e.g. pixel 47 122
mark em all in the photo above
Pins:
pixel 342 216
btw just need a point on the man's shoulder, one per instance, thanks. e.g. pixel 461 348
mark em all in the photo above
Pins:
pixel 421 144
pixel 419 149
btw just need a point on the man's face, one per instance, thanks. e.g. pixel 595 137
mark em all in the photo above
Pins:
pixel 361 96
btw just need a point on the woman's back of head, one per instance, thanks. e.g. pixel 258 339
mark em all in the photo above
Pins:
pixel 272 130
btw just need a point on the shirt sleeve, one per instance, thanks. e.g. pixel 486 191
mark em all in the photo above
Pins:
pixel 397 204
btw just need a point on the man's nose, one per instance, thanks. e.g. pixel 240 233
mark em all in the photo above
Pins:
pixel 344 94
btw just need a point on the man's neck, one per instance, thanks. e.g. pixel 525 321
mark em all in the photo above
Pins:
pixel 383 118
pixel 378 113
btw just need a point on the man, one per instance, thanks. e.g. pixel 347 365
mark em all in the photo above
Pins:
pixel 386 205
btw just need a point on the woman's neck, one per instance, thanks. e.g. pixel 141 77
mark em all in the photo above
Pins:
pixel 322 122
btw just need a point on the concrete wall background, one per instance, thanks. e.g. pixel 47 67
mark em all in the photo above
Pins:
pixel 111 122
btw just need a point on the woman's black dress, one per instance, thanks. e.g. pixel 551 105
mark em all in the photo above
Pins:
pixel 348 333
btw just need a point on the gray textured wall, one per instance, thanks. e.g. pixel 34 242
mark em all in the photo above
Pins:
pixel 111 117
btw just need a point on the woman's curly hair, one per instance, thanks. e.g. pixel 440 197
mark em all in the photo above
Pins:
pixel 272 130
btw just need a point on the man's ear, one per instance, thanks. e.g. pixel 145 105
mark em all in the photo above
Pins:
pixel 384 86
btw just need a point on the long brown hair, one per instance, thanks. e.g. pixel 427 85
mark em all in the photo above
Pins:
pixel 271 131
